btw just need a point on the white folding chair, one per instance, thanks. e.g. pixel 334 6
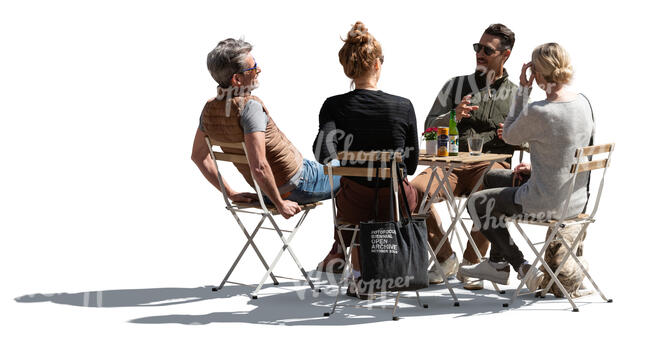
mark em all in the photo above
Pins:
pixel 584 220
pixel 372 158
pixel 261 209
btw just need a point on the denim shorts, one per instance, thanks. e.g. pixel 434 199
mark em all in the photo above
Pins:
pixel 313 184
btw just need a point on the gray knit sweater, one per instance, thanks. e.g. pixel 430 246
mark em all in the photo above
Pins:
pixel 554 130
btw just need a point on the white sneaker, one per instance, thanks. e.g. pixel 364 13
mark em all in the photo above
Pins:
pixel 487 270
pixel 469 283
pixel 449 266
pixel 534 280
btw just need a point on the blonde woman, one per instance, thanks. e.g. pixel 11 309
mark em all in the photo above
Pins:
pixel 554 128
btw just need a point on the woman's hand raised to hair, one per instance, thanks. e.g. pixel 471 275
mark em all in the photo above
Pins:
pixel 523 80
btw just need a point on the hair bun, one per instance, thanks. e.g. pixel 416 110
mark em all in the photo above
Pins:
pixel 358 34
pixel 360 51
pixel 562 74
pixel 552 61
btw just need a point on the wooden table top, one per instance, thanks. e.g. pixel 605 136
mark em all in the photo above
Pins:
pixel 461 158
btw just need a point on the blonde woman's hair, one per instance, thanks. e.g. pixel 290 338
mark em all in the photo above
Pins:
pixel 553 63
pixel 359 52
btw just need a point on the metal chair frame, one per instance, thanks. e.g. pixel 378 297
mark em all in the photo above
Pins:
pixel 583 219
pixel 260 209
pixel 369 172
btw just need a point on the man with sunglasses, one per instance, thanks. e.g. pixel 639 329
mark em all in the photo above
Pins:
pixel 481 101
pixel 235 115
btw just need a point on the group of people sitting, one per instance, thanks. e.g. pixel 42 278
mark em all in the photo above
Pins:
pixel 486 104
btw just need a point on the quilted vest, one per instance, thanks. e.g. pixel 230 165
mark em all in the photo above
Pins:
pixel 220 120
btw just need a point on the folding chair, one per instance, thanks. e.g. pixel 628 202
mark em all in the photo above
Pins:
pixel 369 172
pixel 260 209
pixel 582 219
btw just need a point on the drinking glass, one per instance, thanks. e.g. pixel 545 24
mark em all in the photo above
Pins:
pixel 475 145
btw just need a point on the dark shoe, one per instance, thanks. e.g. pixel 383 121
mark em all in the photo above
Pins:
pixel 357 289
pixel 333 262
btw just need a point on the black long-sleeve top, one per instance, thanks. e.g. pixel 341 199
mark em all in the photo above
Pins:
pixel 366 120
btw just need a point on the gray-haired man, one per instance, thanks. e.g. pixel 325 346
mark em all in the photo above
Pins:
pixel 234 115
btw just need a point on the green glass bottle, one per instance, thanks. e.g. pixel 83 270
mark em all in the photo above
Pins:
pixel 453 133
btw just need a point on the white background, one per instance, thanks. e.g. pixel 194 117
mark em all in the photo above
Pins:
pixel 99 103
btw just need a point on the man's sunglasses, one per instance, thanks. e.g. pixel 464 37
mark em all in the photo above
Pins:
pixel 486 49
pixel 252 68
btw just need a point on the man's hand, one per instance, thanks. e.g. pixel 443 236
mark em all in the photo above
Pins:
pixel 242 197
pixel 464 108
pixel 523 80
pixel 500 131
pixel 288 208
pixel 521 170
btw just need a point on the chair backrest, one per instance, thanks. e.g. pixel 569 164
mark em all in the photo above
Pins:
pixel 586 166
pixel 591 165
pixel 370 158
pixel 235 159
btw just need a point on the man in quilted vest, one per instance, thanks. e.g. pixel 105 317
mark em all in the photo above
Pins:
pixel 234 115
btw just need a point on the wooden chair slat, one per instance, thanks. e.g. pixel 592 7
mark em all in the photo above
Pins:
pixel 271 208
pixel 233 145
pixel 357 171
pixel 365 156
pixel 233 158
pixel 593 150
pixel 588 166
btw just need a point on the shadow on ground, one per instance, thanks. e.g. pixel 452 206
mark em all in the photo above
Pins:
pixel 292 303
pixel 129 297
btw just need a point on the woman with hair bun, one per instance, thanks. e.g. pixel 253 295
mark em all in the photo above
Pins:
pixel 554 128
pixel 364 119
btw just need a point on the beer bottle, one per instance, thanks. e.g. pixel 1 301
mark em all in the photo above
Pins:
pixel 453 134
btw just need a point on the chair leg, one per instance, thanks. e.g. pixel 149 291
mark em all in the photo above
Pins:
pixel 593 283
pixel 257 251
pixel 566 257
pixel 539 257
pixel 396 305
pixel 279 255
pixel 290 250
pixel 444 278
pixel 525 278
pixel 417 295
pixel 345 274
pixel 241 253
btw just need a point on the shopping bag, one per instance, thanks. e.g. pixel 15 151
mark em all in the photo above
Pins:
pixel 394 254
